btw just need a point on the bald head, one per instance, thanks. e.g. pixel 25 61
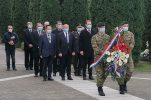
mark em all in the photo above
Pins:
pixel 46 23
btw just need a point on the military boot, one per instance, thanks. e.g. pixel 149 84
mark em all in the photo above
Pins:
pixel 121 89
pixel 100 91
pixel 125 87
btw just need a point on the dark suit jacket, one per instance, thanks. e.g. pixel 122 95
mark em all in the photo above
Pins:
pixel 76 36
pixel 45 48
pixel 63 46
pixel 8 37
pixel 56 32
pixel 28 38
pixel 85 42
pixel 36 38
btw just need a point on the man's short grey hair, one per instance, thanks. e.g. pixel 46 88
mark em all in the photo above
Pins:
pixel 59 22
pixel 29 23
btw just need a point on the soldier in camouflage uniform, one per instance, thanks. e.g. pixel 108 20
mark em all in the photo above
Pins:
pixel 98 43
pixel 129 39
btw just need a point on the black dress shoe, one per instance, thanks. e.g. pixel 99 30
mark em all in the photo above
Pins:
pixel 63 78
pixel 70 78
pixel 91 78
pixel 8 69
pixel 75 73
pixel 44 79
pixel 27 68
pixel 79 74
pixel 50 79
pixel 36 75
pixel 100 91
pixel 40 74
pixel 31 68
pixel 84 78
pixel 14 69
pixel 54 74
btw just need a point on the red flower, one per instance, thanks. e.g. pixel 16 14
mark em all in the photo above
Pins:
pixel 120 39
pixel 128 50
pixel 115 48
pixel 120 45
pixel 125 45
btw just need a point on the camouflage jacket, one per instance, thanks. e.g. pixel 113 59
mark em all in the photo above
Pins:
pixel 129 39
pixel 98 43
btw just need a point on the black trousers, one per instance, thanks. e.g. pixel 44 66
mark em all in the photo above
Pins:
pixel 10 52
pixel 29 57
pixel 77 63
pixel 56 65
pixel 86 62
pixel 47 64
pixel 66 65
pixel 38 64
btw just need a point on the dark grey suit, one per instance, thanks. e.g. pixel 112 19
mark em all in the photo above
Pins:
pixel 47 50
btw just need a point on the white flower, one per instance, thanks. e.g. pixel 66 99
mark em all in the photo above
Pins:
pixel 113 53
pixel 107 53
pixel 123 54
pixel 122 57
pixel 125 61
pixel 127 56
pixel 112 58
pixel 108 59
pixel 120 63
pixel 116 55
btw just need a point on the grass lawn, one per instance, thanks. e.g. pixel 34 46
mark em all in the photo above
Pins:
pixel 143 67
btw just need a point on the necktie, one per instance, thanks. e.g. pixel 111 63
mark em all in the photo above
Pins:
pixel 49 38
pixel 67 37
pixel 89 30
pixel 30 30
pixel 39 33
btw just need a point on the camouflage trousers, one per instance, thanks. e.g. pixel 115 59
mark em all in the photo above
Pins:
pixel 101 74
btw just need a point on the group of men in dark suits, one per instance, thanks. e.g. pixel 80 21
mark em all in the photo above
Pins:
pixel 51 51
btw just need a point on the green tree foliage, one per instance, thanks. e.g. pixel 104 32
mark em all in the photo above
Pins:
pixel 5 15
pixel 67 14
pixel 74 12
pixel 147 34
pixel 20 16
pixel 80 12
pixel 50 11
pixel 34 10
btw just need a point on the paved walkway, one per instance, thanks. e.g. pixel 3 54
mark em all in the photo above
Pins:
pixel 21 85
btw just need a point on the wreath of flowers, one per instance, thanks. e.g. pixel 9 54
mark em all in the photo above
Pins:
pixel 116 58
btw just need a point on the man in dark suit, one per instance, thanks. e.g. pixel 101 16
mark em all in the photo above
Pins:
pixel 47 51
pixel 56 62
pixel 66 51
pixel 28 46
pixel 77 58
pixel 38 65
pixel 10 39
pixel 86 49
